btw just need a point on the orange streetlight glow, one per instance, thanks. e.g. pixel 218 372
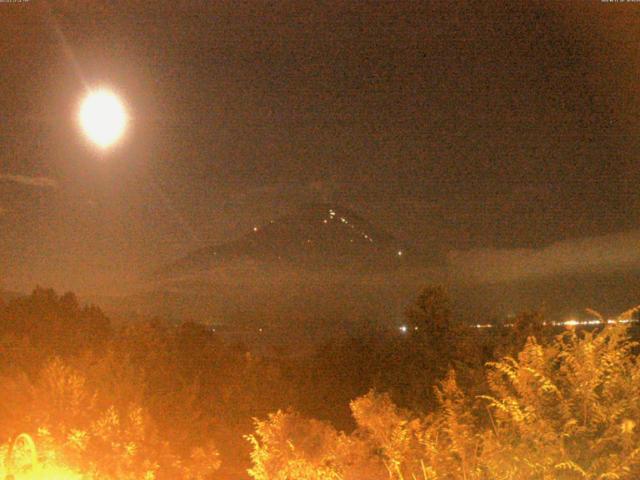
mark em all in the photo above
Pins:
pixel 24 447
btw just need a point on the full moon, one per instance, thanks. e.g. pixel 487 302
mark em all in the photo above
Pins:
pixel 103 117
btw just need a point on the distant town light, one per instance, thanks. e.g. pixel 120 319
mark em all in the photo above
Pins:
pixel 400 253
pixel 403 328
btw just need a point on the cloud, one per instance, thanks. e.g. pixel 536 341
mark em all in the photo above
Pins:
pixel 594 254
pixel 30 181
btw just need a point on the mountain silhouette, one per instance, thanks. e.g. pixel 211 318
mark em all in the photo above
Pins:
pixel 316 236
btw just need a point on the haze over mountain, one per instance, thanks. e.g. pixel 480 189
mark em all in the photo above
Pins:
pixel 320 267
pixel 323 264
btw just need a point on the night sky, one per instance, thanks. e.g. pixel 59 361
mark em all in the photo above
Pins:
pixel 464 127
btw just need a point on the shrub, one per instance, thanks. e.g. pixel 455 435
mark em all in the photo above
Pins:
pixel 566 410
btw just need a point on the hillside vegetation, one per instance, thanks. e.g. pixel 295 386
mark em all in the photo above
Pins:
pixel 443 401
